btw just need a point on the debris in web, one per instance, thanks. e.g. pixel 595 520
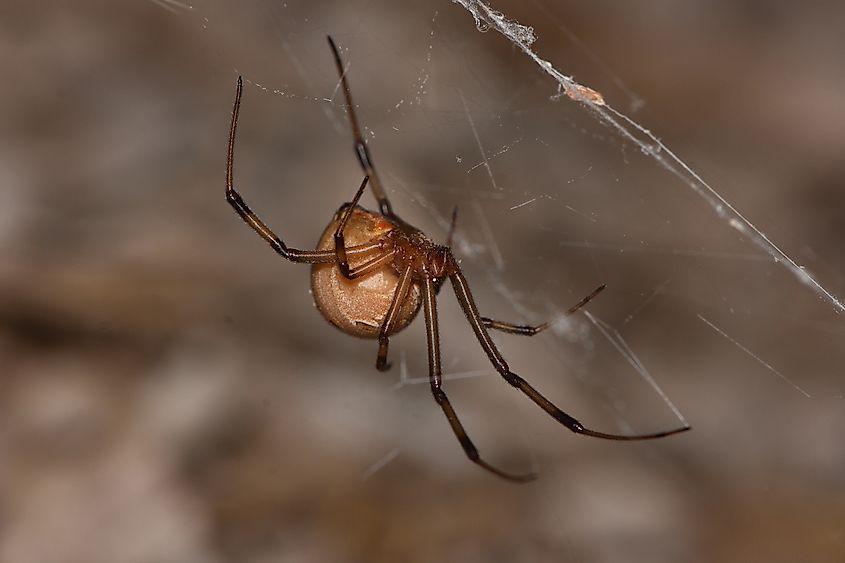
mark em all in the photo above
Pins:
pixel 172 6
pixel 380 464
pixel 484 158
pixel 579 213
pixel 522 36
pixel 635 102
pixel 421 83
pixel 502 150
pixel 524 203
pixel 755 356
pixel 645 303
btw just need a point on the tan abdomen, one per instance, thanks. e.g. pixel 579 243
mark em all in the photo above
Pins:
pixel 358 306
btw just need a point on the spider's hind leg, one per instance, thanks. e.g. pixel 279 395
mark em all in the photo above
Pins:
pixel 467 303
pixel 436 379
pixel 390 318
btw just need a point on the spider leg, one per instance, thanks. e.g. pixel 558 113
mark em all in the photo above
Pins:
pixel 371 265
pixel 361 149
pixel 524 330
pixel 339 242
pixel 436 379
pixel 529 330
pixel 402 288
pixel 251 219
pixel 467 303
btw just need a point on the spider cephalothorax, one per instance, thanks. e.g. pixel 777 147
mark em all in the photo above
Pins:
pixel 372 271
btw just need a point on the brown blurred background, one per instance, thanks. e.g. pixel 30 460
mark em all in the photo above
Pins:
pixel 170 394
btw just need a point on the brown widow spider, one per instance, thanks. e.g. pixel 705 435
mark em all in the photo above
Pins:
pixel 371 271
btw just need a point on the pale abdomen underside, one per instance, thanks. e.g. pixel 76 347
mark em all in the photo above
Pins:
pixel 358 306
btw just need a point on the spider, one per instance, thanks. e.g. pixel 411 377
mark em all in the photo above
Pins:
pixel 372 271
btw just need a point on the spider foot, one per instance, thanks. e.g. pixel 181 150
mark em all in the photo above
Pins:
pixel 573 424
pixel 626 437
pixel 381 361
pixel 516 478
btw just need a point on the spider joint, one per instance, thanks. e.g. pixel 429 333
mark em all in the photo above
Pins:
pixel 513 379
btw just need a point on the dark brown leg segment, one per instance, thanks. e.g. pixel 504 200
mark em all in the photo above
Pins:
pixel 475 320
pixel 361 150
pixel 529 330
pixel 251 219
pixel 340 244
pixel 435 376
pixel 390 319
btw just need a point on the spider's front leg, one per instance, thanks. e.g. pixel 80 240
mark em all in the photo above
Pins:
pixel 249 217
pixel 361 150
pixel 340 244
pixel 342 252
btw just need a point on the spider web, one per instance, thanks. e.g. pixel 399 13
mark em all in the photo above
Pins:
pixel 487 18
pixel 722 305
pixel 560 172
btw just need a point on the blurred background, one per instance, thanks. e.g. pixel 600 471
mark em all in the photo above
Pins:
pixel 169 392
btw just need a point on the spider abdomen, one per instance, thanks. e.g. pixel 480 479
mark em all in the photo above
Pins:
pixel 358 306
